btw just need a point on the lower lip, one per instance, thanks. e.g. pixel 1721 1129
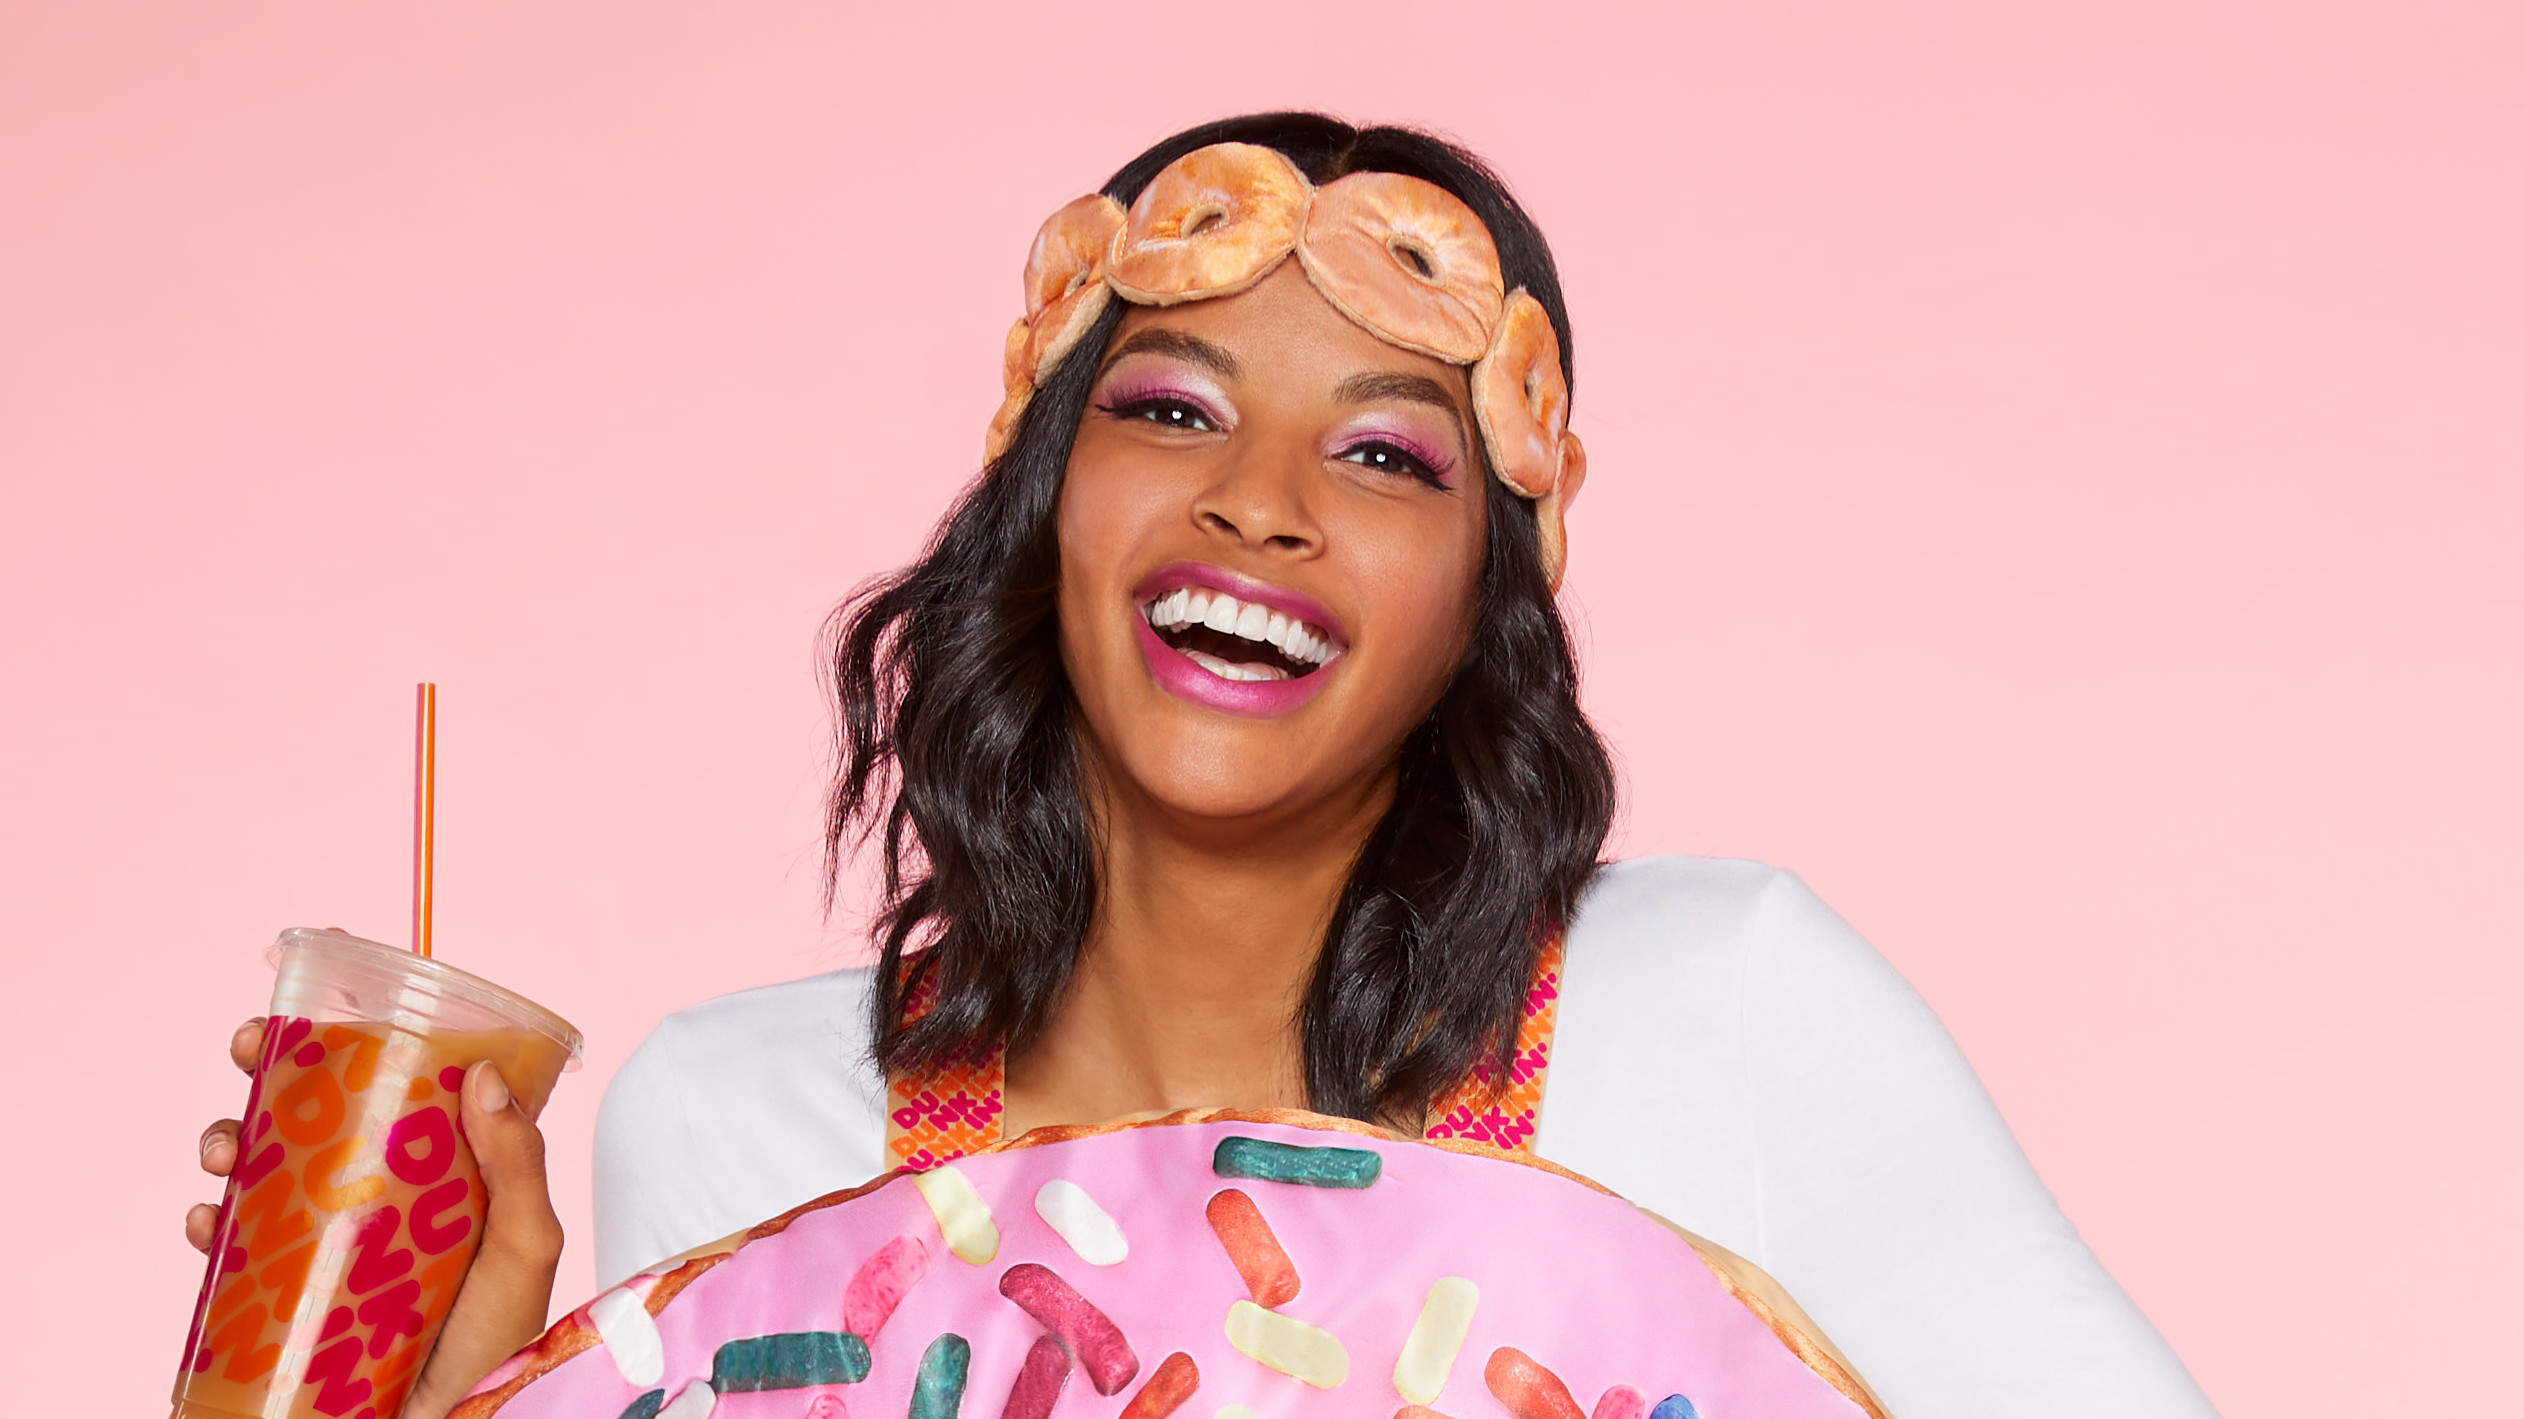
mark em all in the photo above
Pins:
pixel 1182 677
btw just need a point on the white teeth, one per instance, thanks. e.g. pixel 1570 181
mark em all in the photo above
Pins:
pixel 1252 621
pixel 1230 670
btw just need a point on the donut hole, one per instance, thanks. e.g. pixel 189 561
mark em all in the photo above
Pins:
pixel 1414 256
pixel 1207 216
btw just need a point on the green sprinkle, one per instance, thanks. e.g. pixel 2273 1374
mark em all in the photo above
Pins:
pixel 937 1392
pixel 646 1406
pixel 812 1357
pixel 1261 1159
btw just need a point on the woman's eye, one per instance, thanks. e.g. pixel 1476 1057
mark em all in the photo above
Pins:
pixel 1388 458
pixel 1165 413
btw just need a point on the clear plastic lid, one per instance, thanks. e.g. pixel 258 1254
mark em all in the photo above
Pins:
pixel 328 976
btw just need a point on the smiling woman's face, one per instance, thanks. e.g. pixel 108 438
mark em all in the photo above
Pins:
pixel 1270 541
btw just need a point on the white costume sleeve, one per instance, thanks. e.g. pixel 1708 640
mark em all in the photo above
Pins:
pixel 733 1112
pixel 1731 1054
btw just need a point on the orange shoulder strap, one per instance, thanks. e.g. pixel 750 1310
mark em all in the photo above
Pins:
pixel 939 1115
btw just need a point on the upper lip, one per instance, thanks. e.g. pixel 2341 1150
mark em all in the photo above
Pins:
pixel 1295 605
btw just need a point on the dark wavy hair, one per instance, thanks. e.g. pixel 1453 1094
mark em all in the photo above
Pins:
pixel 957 755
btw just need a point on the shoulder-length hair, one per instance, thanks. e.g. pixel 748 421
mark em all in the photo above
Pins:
pixel 957 757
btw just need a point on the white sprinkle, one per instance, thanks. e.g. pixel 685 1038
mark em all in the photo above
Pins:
pixel 696 1402
pixel 963 1218
pixel 1428 1355
pixel 1090 1230
pixel 630 1336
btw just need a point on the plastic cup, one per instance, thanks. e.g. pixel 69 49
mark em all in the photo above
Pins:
pixel 355 1207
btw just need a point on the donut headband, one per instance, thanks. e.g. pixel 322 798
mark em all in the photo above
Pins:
pixel 1405 259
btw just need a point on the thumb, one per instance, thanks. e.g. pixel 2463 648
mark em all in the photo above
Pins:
pixel 509 1150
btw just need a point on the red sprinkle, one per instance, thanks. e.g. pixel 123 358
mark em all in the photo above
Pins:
pixel 1039 1379
pixel 1090 1334
pixel 1166 1390
pixel 1268 1274
pixel 1527 1389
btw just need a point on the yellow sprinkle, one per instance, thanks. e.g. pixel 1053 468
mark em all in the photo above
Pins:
pixel 963 1218
pixel 1236 1411
pixel 1428 1355
pixel 1289 1346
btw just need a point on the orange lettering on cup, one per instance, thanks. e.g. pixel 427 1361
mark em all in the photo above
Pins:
pixel 237 1336
pixel 364 1048
pixel 340 1197
pixel 261 1224
pixel 310 1109
pixel 286 1277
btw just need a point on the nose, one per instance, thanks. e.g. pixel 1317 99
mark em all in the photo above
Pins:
pixel 1260 500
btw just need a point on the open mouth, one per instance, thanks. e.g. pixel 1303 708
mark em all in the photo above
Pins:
pixel 1238 640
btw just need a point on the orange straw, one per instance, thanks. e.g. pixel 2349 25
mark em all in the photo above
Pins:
pixel 424 810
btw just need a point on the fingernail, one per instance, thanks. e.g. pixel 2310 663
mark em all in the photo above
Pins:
pixel 489 1090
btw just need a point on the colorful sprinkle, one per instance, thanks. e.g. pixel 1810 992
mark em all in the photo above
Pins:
pixel 1674 1406
pixel 1527 1389
pixel 1166 1390
pixel 881 1283
pixel 937 1392
pixel 1261 1159
pixel 695 1402
pixel 1418 1411
pixel 1622 1402
pixel 646 1406
pixel 1287 1345
pixel 1428 1353
pixel 1090 1230
pixel 630 1336
pixel 1089 1333
pixel 1039 1379
pixel 1235 1411
pixel 792 1361
pixel 963 1218
pixel 1269 1276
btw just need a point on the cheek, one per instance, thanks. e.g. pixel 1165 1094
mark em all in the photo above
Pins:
pixel 1425 589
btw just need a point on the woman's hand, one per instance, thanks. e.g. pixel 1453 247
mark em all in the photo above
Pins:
pixel 501 1306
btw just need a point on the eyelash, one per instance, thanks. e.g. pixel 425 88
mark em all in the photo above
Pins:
pixel 1166 411
pixel 1402 460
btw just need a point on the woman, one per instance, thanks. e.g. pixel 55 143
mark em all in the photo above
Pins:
pixel 1223 749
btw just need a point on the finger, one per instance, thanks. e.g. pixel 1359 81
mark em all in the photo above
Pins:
pixel 509 1149
pixel 245 1047
pixel 501 1308
pixel 219 1148
pixel 201 1221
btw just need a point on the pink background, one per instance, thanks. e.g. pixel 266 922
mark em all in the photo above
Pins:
pixel 2057 487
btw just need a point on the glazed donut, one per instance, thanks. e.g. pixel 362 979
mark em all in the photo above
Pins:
pixel 1551 509
pixel 1521 397
pixel 1016 364
pixel 1064 279
pixel 1214 222
pixel 1406 259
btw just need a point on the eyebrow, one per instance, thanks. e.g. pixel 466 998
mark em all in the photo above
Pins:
pixel 1160 341
pixel 1409 388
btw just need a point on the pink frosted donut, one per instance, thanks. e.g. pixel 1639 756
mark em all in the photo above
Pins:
pixel 1476 1283
pixel 1064 279
pixel 1213 223
pixel 1522 398
pixel 1406 259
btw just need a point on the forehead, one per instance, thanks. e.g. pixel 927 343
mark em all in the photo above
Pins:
pixel 1282 330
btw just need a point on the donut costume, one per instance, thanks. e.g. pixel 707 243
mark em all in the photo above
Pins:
pixel 1404 258
pixel 1245 1264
